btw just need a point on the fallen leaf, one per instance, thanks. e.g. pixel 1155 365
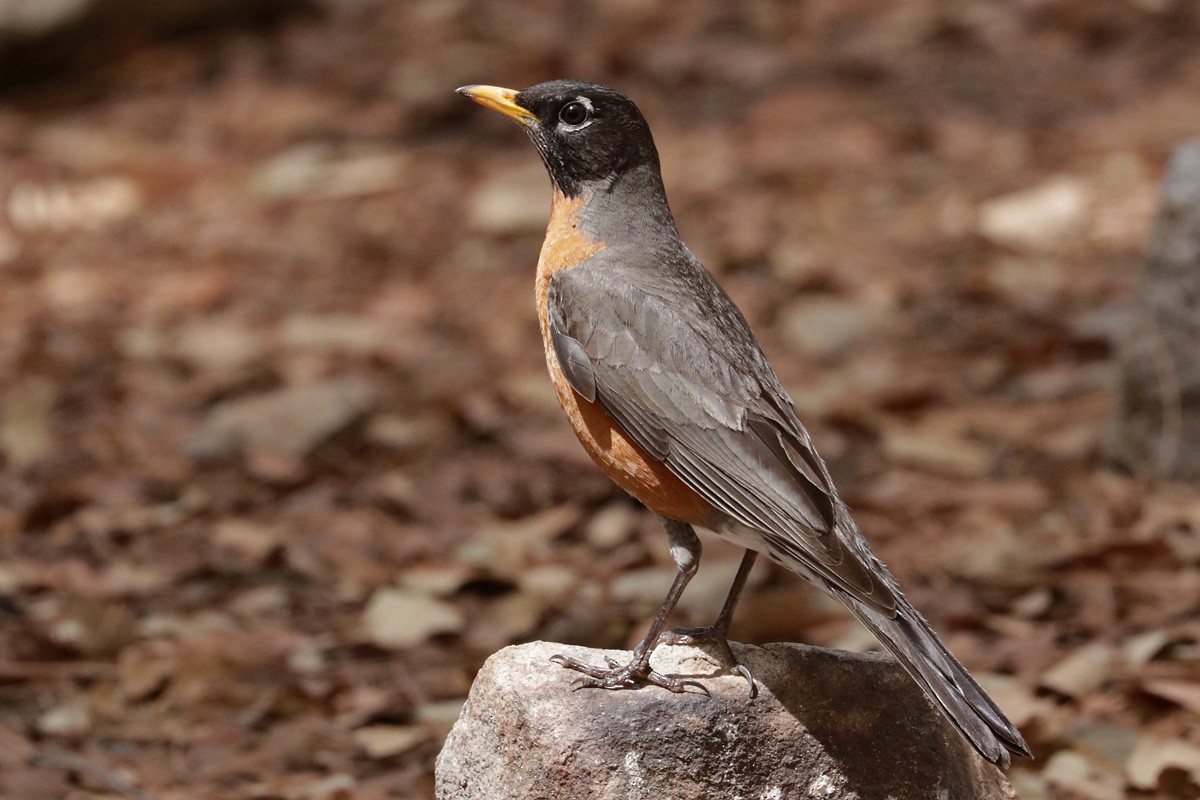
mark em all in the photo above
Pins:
pixel 1152 755
pixel 1185 694
pixel 384 741
pixel 1080 672
pixel 398 618
pixel 1084 777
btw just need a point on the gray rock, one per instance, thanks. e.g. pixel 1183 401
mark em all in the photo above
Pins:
pixel 1156 423
pixel 826 724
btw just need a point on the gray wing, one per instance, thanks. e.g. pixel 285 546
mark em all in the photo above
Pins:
pixel 688 382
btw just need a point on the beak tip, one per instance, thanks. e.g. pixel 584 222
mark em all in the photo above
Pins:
pixel 497 98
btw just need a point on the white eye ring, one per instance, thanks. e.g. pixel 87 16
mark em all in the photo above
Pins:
pixel 587 120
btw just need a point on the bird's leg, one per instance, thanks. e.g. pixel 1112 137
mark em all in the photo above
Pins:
pixel 685 549
pixel 718 632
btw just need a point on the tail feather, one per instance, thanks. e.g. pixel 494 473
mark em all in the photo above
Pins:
pixel 908 637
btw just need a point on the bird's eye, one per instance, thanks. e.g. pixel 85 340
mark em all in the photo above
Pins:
pixel 573 113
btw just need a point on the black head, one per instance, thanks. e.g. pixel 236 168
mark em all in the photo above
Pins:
pixel 587 134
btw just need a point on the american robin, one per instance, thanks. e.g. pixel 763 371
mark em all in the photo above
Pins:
pixel 669 392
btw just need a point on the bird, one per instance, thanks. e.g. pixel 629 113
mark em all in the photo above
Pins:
pixel 669 392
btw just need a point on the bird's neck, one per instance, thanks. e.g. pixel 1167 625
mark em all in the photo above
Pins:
pixel 626 208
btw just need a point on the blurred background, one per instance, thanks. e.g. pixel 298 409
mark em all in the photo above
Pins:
pixel 280 465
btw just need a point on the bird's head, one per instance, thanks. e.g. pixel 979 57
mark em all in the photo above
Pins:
pixel 588 135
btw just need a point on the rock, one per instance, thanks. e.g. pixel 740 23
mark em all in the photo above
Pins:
pixel 290 422
pixel 1156 420
pixel 825 724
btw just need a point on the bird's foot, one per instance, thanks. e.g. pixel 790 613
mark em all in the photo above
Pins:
pixel 624 676
pixel 717 637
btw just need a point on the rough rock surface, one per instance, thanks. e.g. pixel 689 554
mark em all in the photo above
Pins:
pixel 1157 419
pixel 826 724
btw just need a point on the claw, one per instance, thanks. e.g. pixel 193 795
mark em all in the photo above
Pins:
pixel 745 672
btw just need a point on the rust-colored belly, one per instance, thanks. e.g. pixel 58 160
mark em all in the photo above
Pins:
pixel 623 460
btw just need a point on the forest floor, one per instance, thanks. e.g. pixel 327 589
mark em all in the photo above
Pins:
pixel 280 465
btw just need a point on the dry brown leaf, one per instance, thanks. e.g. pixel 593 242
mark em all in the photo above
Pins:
pixel 1185 694
pixel 396 618
pixel 1152 755
pixel 1080 672
pixel 143 668
pixel 1087 778
pixel 385 741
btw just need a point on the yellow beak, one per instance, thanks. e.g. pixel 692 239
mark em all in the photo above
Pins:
pixel 499 99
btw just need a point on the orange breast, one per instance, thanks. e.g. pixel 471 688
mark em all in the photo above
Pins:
pixel 635 470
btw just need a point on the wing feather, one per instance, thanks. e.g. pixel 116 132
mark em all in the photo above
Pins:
pixel 691 386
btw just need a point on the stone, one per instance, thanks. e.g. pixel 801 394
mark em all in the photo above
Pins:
pixel 1156 420
pixel 825 724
